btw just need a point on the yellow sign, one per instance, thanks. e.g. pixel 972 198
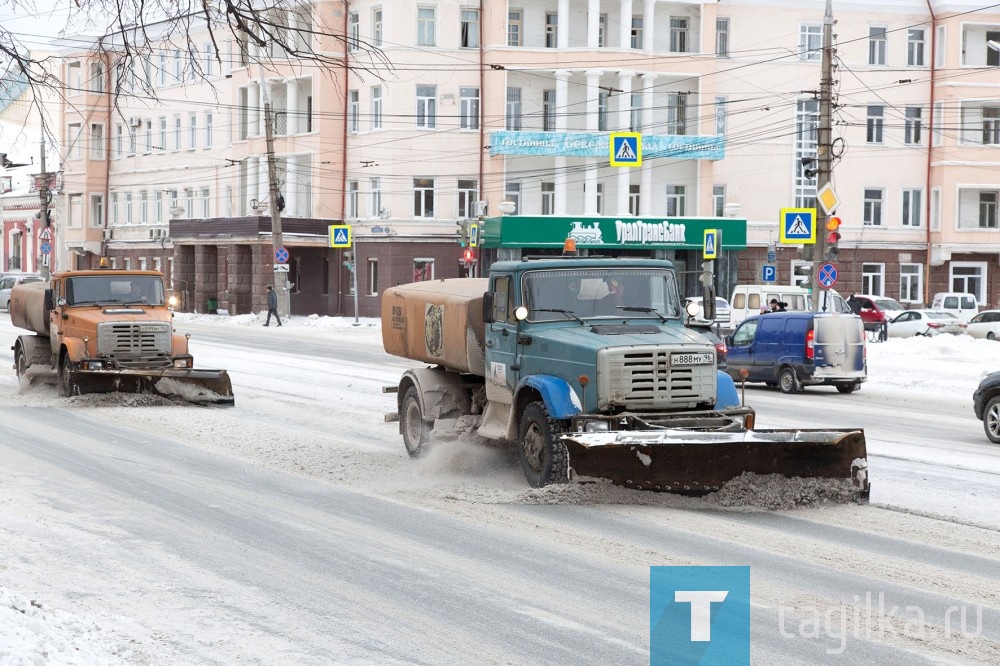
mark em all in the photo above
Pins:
pixel 828 199
pixel 797 226
pixel 340 235
pixel 626 149
pixel 711 244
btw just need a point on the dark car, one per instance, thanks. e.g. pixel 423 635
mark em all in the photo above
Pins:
pixel 986 402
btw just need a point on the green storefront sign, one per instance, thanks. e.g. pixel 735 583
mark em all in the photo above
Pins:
pixel 653 233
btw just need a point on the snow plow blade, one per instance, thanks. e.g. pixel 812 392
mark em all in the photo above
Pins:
pixel 699 462
pixel 198 386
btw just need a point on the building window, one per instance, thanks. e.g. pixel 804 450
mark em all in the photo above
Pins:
pixel 876 45
pixel 352 200
pixel 193 132
pixel 177 133
pixel 635 112
pixel 810 42
pixel 676 200
pixel 513 109
pixel 96 141
pixel 376 107
pixel 375 197
pixel 991 125
pixel 636 35
pixel 158 207
pixel 602 31
pixel 676 113
pixel 548 198
pixel 377 26
pixel 133 138
pixel 189 202
pixel 551 30
pixel 148 131
pixel 600 198
pixel 423 197
pixel 512 192
pixel 372 277
pixel 426 114
pixel 144 206
pixel 353 31
pixel 96 83
pixel 548 110
pixel 806 136
pixel 163 134
pixel 913 126
pixel 873 207
pixel 678 34
pixel 718 200
pixel 969 278
pixel 353 103
pixel 470 28
pixel 425 26
pixel 469 108
pixel 514 27
pixel 911 283
pixel 915 48
pixel 722 37
pixel 206 202
pixel 74 139
pixel 987 210
pixel 875 123
pixel 633 199
pixel 873 279
pixel 74 77
pixel 602 111
pixel 468 195
pixel 912 209
pixel 992 54
pixel 423 269
pixel 96 210
pixel 114 208
pixel 128 208
pixel 720 115
pixel 119 140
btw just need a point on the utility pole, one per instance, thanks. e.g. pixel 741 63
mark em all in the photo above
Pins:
pixel 824 152
pixel 45 235
pixel 274 194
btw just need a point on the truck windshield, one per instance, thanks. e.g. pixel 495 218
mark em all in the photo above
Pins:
pixel 114 290
pixel 635 293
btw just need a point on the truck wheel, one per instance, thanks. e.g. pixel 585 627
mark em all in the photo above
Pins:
pixel 544 458
pixel 991 420
pixel 416 432
pixel 21 365
pixel 787 381
pixel 67 386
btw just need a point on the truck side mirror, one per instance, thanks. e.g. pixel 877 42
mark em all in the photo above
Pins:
pixel 488 307
pixel 48 300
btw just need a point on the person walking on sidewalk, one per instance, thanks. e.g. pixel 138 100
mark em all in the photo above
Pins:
pixel 272 306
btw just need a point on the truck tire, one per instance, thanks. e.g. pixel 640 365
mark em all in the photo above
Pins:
pixel 415 430
pixel 787 381
pixel 544 458
pixel 67 387
pixel 21 367
pixel 991 420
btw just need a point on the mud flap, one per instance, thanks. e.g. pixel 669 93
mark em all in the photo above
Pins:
pixel 198 386
pixel 693 461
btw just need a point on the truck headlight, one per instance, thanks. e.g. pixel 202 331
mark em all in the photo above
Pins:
pixel 182 363
pixel 596 426
pixel 93 365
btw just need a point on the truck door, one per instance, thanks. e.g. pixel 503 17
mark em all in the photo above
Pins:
pixel 768 348
pixel 501 342
pixel 839 346
pixel 740 354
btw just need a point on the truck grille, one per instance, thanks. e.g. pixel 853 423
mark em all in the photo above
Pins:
pixel 641 378
pixel 135 344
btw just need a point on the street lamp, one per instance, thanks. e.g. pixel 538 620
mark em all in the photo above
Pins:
pixel 507 206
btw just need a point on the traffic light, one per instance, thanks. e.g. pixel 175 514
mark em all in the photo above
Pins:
pixel 463 232
pixel 707 279
pixel 349 261
pixel 802 274
pixel 468 257
pixel 833 237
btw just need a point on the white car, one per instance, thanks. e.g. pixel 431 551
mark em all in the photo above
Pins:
pixel 924 322
pixel 986 324
pixel 8 281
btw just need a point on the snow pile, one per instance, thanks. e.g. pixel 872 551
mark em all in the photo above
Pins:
pixel 33 634
pixel 774 492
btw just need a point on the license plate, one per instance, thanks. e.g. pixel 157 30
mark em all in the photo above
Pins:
pixel 692 359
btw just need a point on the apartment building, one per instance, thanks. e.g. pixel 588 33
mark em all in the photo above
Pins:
pixel 450 108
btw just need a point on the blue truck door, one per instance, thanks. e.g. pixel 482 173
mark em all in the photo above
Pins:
pixel 501 342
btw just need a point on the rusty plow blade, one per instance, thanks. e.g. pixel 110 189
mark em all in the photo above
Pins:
pixel 698 462
pixel 198 386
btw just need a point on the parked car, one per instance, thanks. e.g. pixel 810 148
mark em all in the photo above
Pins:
pixel 924 322
pixel 963 306
pixel 721 310
pixel 874 311
pixel 9 280
pixel 986 403
pixel 986 324
pixel 791 350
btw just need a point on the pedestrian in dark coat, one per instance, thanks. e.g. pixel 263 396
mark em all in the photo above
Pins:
pixel 272 306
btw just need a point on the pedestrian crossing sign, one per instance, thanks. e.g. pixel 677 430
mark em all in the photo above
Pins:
pixel 798 226
pixel 626 149
pixel 711 244
pixel 340 235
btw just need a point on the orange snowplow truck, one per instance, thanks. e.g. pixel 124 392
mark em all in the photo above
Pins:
pixel 105 331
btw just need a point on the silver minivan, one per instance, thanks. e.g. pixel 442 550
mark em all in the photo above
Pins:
pixel 9 280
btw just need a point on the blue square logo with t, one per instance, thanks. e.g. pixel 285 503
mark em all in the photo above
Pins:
pixel 699 615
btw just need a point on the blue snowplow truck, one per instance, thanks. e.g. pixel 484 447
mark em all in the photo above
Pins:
pixel 588 367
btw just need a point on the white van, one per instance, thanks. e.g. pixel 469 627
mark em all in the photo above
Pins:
pixel 963 306
pixel 751 299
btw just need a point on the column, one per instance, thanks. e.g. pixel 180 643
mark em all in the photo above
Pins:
pixel 291 187
pixel 625 24
pixel 292 106
pixel 562 36
pixel 621 123
pixel 648 81
pixel 254 109
pixel 562 99
pixel 261 99
pixel 648 21
pixel 593 110
pixel 593 23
